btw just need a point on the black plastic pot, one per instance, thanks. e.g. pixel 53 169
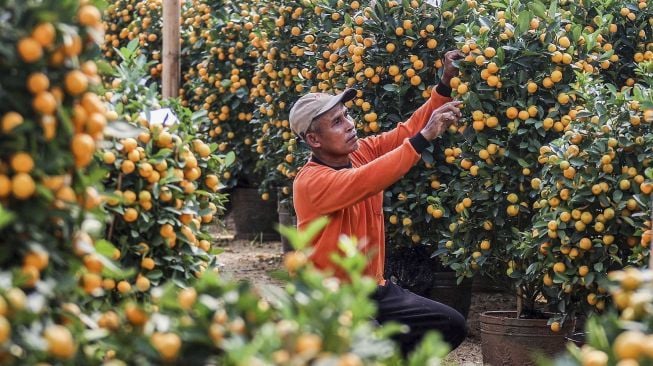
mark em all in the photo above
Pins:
pixel 254 219
pixel 286 218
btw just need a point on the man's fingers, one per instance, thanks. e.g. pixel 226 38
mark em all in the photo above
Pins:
pixel 451 107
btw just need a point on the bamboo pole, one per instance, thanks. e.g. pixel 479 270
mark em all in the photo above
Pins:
pixel 171 48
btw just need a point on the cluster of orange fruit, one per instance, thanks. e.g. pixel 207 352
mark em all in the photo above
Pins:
pixel 126 20
pixel 627 344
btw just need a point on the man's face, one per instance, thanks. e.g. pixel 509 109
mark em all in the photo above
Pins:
pixel 335 132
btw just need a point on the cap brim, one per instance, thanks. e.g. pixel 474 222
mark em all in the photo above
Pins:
pixel 344 97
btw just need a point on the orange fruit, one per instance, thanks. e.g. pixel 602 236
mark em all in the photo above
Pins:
pixel 130 215
pixel 82 147
pixel 10 120
pixel 167 344
pixel 134 314
pixel 93 263
pixel 148 263
pixel 22 186
pixel 564 42
pixel 309 344
pixel 559 267
pixel 44 103
pixel 30 50
pixel 92 103
pixel 531 87
pixel 44 34
pixel 628 345
pixel 39 259
pixel 585 244
pixel 89 15
pixel 512 210
pixel 294 260
pixel 5 329
pixel 127 166
pixel 22 162
pixel 30 276
pixel 142 283
pixel 37 82
pixel 187 297
pixel 60 341
pixel 512 112
pixel 124 287
pixel 76 82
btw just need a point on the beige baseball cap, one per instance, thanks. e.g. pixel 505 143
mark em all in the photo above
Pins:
pixel 312 105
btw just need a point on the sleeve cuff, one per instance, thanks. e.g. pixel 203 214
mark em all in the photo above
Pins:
pixel 419 142
pixel 444 90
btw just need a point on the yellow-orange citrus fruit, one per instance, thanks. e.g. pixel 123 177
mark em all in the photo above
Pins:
pixel 30 50
pixel 44 34
pixel 37 82
pixel 22 186
pixel 60 341
pixel 89 15
pixel 22 162
pixel 76 82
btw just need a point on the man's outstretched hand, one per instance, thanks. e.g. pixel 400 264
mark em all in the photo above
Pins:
pixel 449 69
pixel 441 119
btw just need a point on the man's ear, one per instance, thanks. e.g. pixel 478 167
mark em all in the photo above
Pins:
pixel 312 139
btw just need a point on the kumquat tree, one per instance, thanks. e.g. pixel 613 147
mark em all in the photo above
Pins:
pixel 531 215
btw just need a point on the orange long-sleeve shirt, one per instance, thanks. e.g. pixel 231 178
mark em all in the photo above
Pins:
pixel 352 198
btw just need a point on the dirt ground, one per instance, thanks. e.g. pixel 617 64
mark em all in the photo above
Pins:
pixel 254 260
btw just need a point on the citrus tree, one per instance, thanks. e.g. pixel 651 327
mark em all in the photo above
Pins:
pixel 391 53
pixel 126 20
pixel 285 71
pixel 520 61
pixel 599 219
pixel 162 184
pixel 220 83
pixel 51 123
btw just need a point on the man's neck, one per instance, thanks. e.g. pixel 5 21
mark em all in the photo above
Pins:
pixel 332 163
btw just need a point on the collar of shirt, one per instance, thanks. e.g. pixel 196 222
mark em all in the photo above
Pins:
pixel 315 159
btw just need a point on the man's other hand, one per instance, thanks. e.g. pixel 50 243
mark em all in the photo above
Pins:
pixel 441 119
pixel 449 69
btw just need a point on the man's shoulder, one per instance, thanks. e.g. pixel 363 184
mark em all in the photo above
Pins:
pixel 306 171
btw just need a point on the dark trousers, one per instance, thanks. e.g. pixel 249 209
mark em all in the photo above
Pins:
pixel 420 315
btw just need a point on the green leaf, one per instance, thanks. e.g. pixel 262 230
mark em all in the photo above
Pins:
pixel 538 9
pixel 229 159
pixel 391 87
pixel 6 217
pixel 523 22
pixel 104 247
pixel 300 239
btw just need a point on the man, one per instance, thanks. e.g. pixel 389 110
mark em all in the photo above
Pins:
pixel 345 179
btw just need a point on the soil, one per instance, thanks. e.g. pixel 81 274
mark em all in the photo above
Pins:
pixel 254 261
